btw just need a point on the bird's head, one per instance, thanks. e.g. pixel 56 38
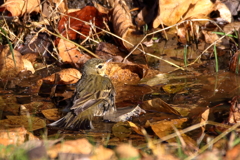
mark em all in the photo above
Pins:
pixel 95 66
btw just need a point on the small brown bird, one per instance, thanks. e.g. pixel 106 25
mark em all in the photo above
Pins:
pixel 94 96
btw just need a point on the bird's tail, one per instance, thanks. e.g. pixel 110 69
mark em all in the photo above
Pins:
pixel 72 122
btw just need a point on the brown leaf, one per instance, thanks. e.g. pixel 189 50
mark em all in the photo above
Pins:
pixel 165 127
pixel 123 26
pixel 28 66
pixel 231 27
pixel 61 5
pixel 136 128
pixel 102 153
pixel 233 64
pixel 79 146
pixel 15 136
pixel 51 114
pixel 8 69
pixel 70 54
pixel 127 151
pixel 7 65
pixel 109 51
pixel 31 57
pixel 36 107
pixel 69 27
pixel 132 94
pixel 66 76
pixel 233 153
pixel 30 123
pixel 159 105
pixel 121 130
pixel 170 12
pixel 211 37
pixel 124 73
pixel 234 113
pixel 20 7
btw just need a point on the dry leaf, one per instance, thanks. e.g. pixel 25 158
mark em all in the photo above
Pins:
pixel 8 70
pixel 170 12
pixel 121 130
pixel 159 105
pixel 66 76
pixel 130 93
pixel 31 57
pixel 79 146
pixel 28 66
pixel 165 127
pixel 231 27
pixel 36 107
pixel 51 114
pixel 124 73
pixel 234 113
pixel 102 153
pixel 233 64
pixel 20 7
pixel 29 122
pixel 224 11
pixel 233 153
pixel 127 151
pixel 69 27
pixel 136 128
pixel 69 53
pixel 61 6
pixel 15 136
pixel 123 26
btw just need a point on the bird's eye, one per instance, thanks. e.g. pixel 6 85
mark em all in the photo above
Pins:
pixel 100 66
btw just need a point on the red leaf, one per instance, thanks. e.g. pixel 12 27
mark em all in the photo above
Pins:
pixel 67 25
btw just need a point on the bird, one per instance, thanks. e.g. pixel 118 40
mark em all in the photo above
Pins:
pixel 94 96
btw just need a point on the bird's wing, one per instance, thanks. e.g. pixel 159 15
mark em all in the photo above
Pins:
pixel 91 91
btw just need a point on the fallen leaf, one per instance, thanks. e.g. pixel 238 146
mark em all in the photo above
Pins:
pixel 69 53
pixel 127 151
pixel 173 88
pixel 170 12
pixel 61 5
pixel 159 105
pixel 121 130
pixel 233 153
pixel 75 22
pixel 136 128
pixel 233 64
pixel 234 113
pixel 30 56
pixel 123 26
pixel 29 122
pixel 20 7
pixel 8 70
pixel 66 76
pixel 102 153
pixel 124 73
pixel 51 114
pixel 130 93
pixel 79 146
pixel 28 66
pixel 15 135
pixel 164 128
pixel 36 107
